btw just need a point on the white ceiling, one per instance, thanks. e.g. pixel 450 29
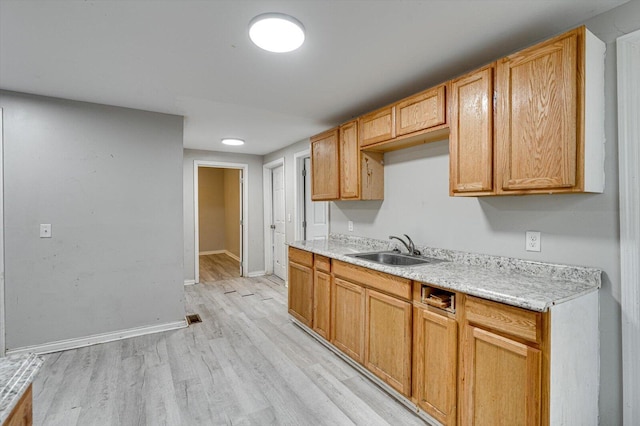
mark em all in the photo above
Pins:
pixel 194 58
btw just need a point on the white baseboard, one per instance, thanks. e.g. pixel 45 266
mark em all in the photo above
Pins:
pixel 63 345
pixel 189 282
pixel 205 253
pixel 231 255
pixel 256 274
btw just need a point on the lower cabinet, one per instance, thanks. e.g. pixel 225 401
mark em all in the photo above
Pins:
pixel 501 365
pixel 435 351
pixel 301 286
pixel 347 318
pixel 388 340
pixel 462 360
pixel 322 299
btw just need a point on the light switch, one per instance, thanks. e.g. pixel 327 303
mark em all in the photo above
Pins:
pixel 45 230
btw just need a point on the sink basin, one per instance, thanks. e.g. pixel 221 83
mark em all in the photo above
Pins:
pixel 393 258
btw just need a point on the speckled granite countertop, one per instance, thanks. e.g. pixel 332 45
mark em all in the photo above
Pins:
pixel 527 284
pixel 16 374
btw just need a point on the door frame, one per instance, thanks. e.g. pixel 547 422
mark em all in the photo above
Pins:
pixel 2 311
pixel 298 193
pixel 267 181
pixel 628 57
pixel 244 211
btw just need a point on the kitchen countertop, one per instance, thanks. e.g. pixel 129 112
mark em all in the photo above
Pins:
pixel 526 284
pixel 16 374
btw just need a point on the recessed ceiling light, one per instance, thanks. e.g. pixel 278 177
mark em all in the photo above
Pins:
pixel 276 32
pixel 232 141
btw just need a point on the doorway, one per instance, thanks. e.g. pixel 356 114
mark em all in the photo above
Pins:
pixel 220 236
pixel 312 217
pixel 275 220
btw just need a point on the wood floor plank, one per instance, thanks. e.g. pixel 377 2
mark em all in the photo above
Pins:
pixel 245 364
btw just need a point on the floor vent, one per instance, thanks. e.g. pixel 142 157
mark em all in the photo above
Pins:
pixel 193 318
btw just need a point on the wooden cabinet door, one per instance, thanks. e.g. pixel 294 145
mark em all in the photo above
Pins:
pixel 377 126
pixel 325 169
pixel 501 380
pixel 322 303
pixel 471 132
pixel 349 161
pixel 435 349
pixel 347 318
pixel 537 116
pixel 388 340
pixel 421 111
pixel 301 293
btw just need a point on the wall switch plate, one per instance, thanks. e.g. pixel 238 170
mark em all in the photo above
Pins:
pixel 350 225
pixel 45 230
pixel 532 241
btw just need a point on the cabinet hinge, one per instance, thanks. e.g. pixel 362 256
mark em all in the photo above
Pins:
pixel 304 223
pixel 304 172
pixel 495 99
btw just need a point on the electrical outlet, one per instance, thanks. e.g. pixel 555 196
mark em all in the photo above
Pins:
pixel 532 241
pixel 350 225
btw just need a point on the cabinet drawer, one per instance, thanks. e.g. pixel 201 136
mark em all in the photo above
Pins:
pixel 301 257
pixel 389 284
pixel 322 263
pixel 507 319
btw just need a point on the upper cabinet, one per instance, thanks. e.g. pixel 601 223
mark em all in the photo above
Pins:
pixel 417 119
pixel 377 126
pixel 420 112
pixel 548 106
pixel 325 169
pixel 340 171
pixel 529 123
pixel 471 133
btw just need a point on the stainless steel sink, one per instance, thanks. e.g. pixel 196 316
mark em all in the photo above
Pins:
pixel 393 258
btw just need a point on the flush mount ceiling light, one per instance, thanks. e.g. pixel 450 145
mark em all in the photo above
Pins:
pixel 232 141
pixel 276 32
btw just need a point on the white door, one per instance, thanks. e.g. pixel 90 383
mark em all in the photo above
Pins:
pixel 316 213
pixel 279 247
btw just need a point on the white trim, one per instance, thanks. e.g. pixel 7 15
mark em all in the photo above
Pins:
pixel 628 47
pixel 267 191
pixel 63 345
pixel 189 282
pixel 256 274
pixel 244 189
pixel 298 184
pixel 2 314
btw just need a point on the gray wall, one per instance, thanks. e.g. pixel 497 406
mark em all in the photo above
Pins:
pixel 289 169
pixel 109 181
pixel 255 252
pixel 579 229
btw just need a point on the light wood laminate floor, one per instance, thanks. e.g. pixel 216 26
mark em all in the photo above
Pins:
pixel 245 364
pixel 216 267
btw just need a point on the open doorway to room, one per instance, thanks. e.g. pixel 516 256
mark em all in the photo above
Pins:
pixel 219 225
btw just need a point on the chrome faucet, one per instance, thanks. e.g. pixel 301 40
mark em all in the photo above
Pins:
pixel 411 248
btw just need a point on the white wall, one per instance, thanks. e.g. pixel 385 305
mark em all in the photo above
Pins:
pixel 580 229
pixel 255 249
pixel 289 170
pixel 109 181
